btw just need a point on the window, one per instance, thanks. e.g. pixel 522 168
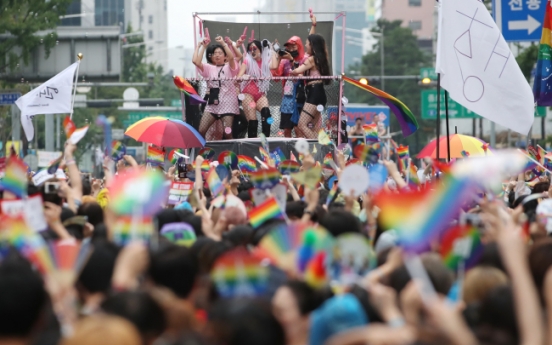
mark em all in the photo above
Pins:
pixel 415 25
pixel 415 3
pixel 150 19
pixel 150 35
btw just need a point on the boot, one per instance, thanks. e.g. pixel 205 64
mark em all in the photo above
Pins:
pixel 252 128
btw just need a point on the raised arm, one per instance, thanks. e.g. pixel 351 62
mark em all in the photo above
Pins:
pixel 304 67
pixel 313 26
pixel 228 51
pixel 243 67
pixel 198 56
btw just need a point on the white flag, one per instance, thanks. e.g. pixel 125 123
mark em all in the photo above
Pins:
pixel 478 69
pixel 52 97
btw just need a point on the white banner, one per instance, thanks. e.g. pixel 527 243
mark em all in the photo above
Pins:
pixel 52 97
pixel 31 209
pixel 477 67
pixel 45 158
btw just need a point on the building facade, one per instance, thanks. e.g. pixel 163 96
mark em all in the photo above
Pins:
pixel 418 15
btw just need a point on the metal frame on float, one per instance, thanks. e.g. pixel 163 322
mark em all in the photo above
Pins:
pixel 340 14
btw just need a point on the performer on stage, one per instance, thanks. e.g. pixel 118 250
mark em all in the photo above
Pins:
pixel 316 65
pixel 222 103
pixel 256 65
pixel 283 62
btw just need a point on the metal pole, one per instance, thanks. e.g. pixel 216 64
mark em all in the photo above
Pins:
pixel 438 119
pixel 481 128
pixel 382 50
pixel 49 132
pixel 343 23
pixel 58 126
pixel 447 124
pixel 493 135
pixel 194 15
pixel 339 110
pixel 16 123
pixel 543 132
pixel 473 127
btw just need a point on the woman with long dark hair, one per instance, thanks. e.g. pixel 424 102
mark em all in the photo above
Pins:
pixel 256 66
pixel 222 102
pixel 315 66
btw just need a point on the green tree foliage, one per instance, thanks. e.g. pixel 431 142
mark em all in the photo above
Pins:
pixel 22 20
pixel 527 59
pixel 134 68
pixel 402 56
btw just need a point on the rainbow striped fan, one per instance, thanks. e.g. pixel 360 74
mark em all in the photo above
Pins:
pixel 240 274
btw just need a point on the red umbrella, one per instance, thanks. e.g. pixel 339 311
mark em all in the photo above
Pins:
pixel 164 132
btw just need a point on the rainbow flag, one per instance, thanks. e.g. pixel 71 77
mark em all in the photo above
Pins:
pixel 461 244
pixel 127 229
pixel 542 88
pixel 55 165
pixel 289 167
pixel 542 154
pixel 371 133
pixel 214 182
pixel 331 194
pixel 270 209
pixel 402 152
pixel 265 178
pixel 265 156
pixel 406 119
pixel 15 177
pixel 328 161
pixel 246 164
pixel 420 217
pixel 155 156
pixel 30 244
pixel 413 180
pixel 400 165
pixel 118 150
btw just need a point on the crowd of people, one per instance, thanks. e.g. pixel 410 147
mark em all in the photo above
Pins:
pixel 237 84
pixel 163 292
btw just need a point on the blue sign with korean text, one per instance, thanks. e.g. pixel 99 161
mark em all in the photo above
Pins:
pixel 520 20
pixel 9 98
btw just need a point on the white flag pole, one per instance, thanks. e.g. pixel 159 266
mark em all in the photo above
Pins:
pixel 79 57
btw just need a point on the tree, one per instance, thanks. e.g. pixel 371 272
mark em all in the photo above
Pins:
pixel 527 59
pixel 134 69
pixel 22 20
pixel 402 56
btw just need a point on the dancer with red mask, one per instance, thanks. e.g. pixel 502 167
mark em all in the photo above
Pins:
pixel 294 91
pixel 256 70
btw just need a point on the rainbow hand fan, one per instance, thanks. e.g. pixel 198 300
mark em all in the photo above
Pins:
pixel 461 243
pixel 228 158
pixel 282 245
pixel 207 153
pixel 265 178
pixel 176 156
pixel 138 191
pixel 239 274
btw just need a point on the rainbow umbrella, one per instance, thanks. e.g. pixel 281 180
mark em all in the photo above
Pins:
pixel 459 146
pixel 164 132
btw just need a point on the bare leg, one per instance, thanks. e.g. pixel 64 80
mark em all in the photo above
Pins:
pixel 305 119
pixel 227 122
pixel 287 133
pixel 250 113
pixel 207 121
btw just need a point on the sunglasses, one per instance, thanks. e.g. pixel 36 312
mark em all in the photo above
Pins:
pixel 252 49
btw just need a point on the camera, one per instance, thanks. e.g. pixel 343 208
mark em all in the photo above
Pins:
pixel 51 187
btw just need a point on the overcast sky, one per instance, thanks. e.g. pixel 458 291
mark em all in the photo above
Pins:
pixel 181 29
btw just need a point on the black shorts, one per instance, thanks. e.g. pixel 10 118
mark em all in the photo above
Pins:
pixel 316 94
pixel 220 116
pixel 285 121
